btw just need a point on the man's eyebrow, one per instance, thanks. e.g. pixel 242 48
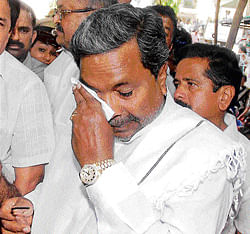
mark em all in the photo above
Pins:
pixel 89 86
pixel 97 90
pixel 190 79
pixel 120 84
pixel 3 19
pixel 24 28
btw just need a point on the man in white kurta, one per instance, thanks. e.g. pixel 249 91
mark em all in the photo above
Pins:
pixel 169 170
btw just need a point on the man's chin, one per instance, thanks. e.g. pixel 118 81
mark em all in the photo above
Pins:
pixel 123 136
pixel 17 54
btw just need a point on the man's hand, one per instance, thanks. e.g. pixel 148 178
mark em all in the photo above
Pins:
pixel 16 215
pixel 92 137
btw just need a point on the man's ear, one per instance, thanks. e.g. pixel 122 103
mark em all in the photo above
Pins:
pixel 161 79
pixel 33 37
pixel 227 93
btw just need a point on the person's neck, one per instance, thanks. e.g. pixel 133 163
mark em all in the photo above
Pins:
pixel 219 122
pixel 23 57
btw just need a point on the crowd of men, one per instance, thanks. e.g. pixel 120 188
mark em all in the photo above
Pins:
pixel 169 160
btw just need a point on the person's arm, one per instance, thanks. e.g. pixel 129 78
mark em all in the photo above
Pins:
pixel 121 204
pixel 7 190
pixel 33 140
pixel 27 178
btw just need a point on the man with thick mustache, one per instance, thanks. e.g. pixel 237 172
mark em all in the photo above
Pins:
pixel 22 37
pixel 166 169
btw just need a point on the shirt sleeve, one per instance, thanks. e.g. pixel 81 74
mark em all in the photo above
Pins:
pixel 242 221
pixel 121 205
pixel 33 137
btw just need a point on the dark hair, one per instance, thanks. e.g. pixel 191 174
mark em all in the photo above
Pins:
pixel 166 11
pixel 45 36
pixel 182 38
pixel 14 12
pixel 223 68
pixel 101 3
pixel 109 28
pixel 28 9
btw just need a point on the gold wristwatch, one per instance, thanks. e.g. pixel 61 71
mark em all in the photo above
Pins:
pixel 91 172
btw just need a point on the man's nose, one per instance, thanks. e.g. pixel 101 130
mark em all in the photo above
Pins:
pixel 113 103
pixel 15 35
pixel 180 93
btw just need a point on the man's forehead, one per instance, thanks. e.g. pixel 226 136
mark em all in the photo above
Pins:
pixel 4 10
pixel 24 19
pixel 192 65
pixel 120 65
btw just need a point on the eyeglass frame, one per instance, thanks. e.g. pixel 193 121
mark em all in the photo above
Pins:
pixel 62 13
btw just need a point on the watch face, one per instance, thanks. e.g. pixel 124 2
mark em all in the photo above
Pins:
pixel 88 174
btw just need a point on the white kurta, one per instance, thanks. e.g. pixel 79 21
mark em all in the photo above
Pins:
pixel 191 190
pixel 26 129
pixel 62 205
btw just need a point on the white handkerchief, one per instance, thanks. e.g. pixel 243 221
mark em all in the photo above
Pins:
pixel 106 108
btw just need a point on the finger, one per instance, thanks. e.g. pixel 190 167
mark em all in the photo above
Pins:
pixel 23 207
pixel 74 114
pixel 89 95
pixel 14 226
pixel 5 211
pixel 22 212
pixel 78 97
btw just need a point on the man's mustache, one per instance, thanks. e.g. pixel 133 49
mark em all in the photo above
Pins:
pixel 182 103
pixel 59 28
pixel 118 121
pixel 17 43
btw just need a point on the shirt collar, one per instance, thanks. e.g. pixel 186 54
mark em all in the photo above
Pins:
pixel 231 129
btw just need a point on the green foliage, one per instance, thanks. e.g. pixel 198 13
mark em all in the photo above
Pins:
pixel 172 3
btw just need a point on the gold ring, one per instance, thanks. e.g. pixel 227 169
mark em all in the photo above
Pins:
pixel 73 114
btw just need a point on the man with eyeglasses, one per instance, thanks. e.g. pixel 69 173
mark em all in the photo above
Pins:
pixel 71 213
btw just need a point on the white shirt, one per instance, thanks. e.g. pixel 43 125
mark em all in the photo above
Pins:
pixel 35 65
pixel 242 220
pixel 26 129
pixel 190 191
pixel 62 205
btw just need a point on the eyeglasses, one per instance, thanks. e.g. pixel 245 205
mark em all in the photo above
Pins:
pixel 62 13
